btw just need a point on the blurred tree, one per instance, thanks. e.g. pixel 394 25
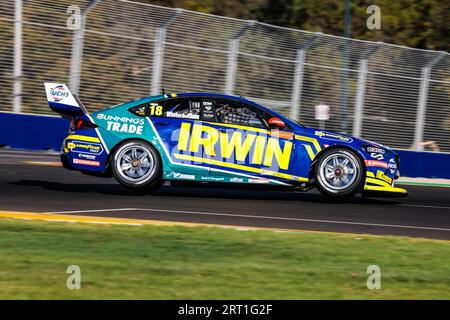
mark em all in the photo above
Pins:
pixel 242 9
pixel 415 23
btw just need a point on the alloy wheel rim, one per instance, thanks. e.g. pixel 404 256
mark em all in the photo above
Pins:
pixel 338 171
pixel 135 163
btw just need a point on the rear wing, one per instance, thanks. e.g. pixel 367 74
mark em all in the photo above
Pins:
pixel 62 101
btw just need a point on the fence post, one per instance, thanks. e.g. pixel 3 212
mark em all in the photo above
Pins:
pixel 233 56
pixel 158 54
pixel 422 103
pixel 77 49
pixel 297 85
pixel 361 90
pixel 17 91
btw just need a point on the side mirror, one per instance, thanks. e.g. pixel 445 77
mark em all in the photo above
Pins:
pixel 276 123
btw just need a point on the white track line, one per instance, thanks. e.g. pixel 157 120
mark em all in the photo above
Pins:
pixel 9 156
pixel 258 217
pixel 423 206
pixel 28 151
pixel 87 211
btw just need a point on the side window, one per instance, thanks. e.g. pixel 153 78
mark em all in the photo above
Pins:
pixel 200 109
pixel 139 110
pixel 236 112
pixel 181 108
pixel 207 109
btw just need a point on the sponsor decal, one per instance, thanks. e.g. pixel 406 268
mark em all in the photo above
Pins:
pixel 178 175
pixel 275 174
pixel 208 116
pixel 375 150
pixel 122 124
pixel 207 111
pixel 281 175
pixel 282 134
pixel 207 106
pixel 195 107
pixel 139 110
pixel 333 136
pixel 170 114
pixel 376 153
pixel 155 109
pixel 392 166
pixel 58 93
pixel 256 148
pixel 124 127
pixel 377 163
pixel 87 156
pixel 382 176
pixel 217 179
pixel 86 162
pixel 239 180
pixel 210 178
pixel 84 147
pixel 258 180
pixel 108 117
pixel 377 156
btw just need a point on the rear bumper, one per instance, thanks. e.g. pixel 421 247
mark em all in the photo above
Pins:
pixel 84 153
pixel 65 162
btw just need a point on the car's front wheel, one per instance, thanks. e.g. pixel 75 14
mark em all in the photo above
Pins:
pixel 136 164
pixel 339 173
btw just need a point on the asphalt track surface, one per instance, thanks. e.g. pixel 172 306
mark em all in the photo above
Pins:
pixel 29 183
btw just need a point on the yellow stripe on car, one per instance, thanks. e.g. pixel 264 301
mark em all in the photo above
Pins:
pixel 386 189
pixel 308 148
pixel 310 151
pixel 82 138
pixel 380 179
pixel 239 167
pixel 312 140
pixel 236 126
pixel 378 182
pixel 381 185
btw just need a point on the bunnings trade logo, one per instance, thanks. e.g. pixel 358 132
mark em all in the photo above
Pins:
pixel 58 93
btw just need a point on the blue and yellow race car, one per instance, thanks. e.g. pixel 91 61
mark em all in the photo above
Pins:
pixel 207 137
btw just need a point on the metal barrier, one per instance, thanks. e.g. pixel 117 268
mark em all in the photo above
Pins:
pixel 110 51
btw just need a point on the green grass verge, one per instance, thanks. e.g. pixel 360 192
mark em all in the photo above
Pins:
pixel 154 262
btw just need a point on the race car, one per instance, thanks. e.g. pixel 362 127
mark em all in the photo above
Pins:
pixel 216 138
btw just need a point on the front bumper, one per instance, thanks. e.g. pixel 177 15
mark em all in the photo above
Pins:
pixel 381 176
pixel 380 185
pixel 384 191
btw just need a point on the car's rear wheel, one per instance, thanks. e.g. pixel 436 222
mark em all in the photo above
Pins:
pixel 137 165
pixel 339 173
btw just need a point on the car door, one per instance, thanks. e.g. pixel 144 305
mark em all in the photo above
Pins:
pixel 175 123
pixel 247 145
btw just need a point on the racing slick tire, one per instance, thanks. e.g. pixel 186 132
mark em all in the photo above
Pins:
pixel 339 174
pixel 137 165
